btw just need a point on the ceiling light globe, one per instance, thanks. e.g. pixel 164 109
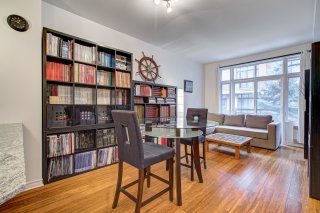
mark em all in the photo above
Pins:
pixel 156 2
pixel 169 9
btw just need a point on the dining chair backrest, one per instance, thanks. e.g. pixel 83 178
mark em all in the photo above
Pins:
pixel 130 149
pixel 199 114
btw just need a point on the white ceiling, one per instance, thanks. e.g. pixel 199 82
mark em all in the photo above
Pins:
pixel 205 30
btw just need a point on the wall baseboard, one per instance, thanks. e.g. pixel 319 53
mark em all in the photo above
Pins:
pixel 34 184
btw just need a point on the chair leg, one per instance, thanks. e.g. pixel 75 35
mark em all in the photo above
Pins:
pixel 204 155
pixel 117 194
pixel 148 177
pixel 186 153
pixel 192 164
pixel 171 179
pixel 140 191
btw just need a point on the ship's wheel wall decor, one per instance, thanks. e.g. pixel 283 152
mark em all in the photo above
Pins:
pixel 148 68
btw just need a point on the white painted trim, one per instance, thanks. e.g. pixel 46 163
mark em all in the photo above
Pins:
pixel 34 184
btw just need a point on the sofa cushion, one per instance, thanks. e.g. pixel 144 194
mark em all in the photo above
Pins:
pixel 243 131
pixel 233 120
pixel 216 117
pixel 258 121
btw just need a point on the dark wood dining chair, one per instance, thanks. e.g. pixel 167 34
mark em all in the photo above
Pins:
pixel 140 155
pixel 201 115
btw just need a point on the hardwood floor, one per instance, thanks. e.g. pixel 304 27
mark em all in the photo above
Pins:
pixel 261 181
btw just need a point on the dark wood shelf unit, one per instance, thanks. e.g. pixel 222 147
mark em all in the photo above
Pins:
pixel 157 105
pixel 72 107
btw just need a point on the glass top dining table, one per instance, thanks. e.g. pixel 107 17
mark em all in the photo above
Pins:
pixel 177 129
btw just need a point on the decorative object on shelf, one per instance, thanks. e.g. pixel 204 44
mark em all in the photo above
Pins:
pixel 18 23
pixel 168 4
pixel 148 68
pixel 188 86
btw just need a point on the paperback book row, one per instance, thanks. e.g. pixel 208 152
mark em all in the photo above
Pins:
pixel 106 59
pixel 143 90
pixel 84 74
pixel 85 139
pixel 123 97
pixel 140 112
pixel 123 79
pixel 57 71
pixel 105 78
pixel 59 145
pixel 85 53
pixel 58 94
pixel 159 92
pixel 105 137
pixel 84 95
pixel 58 47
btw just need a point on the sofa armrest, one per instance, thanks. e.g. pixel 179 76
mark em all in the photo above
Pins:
pixel 274 134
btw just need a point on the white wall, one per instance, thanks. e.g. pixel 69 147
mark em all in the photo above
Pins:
pixel 174 69
pixel 20 81
pixel 212 76
pixel 316 32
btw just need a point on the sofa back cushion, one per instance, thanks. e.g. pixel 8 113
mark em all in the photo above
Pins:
pixel 216 117
pixel 233 120
pixel 258 121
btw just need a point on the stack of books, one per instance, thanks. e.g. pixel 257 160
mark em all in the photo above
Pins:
pixel 171 92
pixel 85 53
pixel 84 74
pixel 122 63
pixel 170 101
pixel 58 47
pixel 60 144
pixel 57 71
pixel 160 100
pixel 152 111
pixel 85 161
pixel 156 91
pixel 138 100
pixel 59 94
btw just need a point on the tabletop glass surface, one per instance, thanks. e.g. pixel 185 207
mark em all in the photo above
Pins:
pixel 173 133
pixel 180 123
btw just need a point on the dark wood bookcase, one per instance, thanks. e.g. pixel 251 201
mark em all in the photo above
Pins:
pixel 154 101
pixel 78 104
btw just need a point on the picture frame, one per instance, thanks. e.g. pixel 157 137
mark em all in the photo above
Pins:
pixel 188 86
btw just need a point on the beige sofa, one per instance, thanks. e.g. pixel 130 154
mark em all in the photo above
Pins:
pixel 265 133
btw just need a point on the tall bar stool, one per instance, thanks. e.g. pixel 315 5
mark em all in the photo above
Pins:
pixel 201 115
pixel 140 155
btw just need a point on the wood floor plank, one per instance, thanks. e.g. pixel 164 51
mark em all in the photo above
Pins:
pixel 261 181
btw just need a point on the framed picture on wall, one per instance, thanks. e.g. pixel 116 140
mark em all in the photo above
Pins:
pixel 188 86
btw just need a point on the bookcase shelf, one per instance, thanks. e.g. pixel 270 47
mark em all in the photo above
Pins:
pixel 76 127
pixel 143 92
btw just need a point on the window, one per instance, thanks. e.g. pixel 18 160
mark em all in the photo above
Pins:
pixel 293 99
pixel 244 98
pixel 225 98
pixel 243 72
pixel 270 68
pixel 258 88
pixel 268 98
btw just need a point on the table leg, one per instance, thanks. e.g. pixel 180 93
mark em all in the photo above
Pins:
pixel 196 158
pixel 178 172
pixel 207 145
pixel 248 147
pixel 237 155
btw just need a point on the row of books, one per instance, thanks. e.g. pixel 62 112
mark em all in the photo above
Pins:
pixel 152 111
pixel 142 90
pixel 60 166
pixel 105 137
pixel 164 111
pixel 107 156
pixel 105 97
pixel 84 53
pixel 170 101
pixel 85 161
pixel 59 94
pixel 106 59
pixel 84 95
pixel 123 97
pixel 105 78
pixel 59 145
pixel 159 92
pixel 56 46
pixel 123 63
pixel 138 100
pixel 123 79
pixel 85 139
pixel 172 111
pixel 140 112
pixel 84 74
pixel 57 71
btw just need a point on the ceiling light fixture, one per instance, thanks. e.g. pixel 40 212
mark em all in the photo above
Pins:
pixel 168 4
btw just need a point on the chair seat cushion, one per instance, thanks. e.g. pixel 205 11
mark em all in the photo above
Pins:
pixel 155 153
pixel 188 141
